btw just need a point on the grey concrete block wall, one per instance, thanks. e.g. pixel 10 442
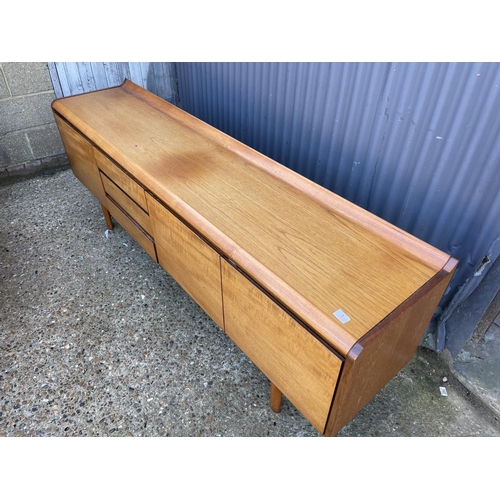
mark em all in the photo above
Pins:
pixel 29 139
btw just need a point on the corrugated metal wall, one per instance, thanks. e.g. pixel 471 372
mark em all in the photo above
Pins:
pixel 70 78
pixel 415 143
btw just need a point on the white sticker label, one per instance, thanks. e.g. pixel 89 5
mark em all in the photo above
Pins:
pixel 341 316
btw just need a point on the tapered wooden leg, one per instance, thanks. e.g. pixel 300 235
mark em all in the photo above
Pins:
pixel 107 216
pixel 276 397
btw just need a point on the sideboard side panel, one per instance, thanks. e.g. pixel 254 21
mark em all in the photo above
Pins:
pixel 381 354
pixel 81 158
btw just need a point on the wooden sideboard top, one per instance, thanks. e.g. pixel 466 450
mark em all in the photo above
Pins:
pixel 314 251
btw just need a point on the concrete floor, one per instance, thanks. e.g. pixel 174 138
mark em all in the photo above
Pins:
pixel 477 366
pixel 97 340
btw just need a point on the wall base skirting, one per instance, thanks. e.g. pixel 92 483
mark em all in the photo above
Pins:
pixel 15 173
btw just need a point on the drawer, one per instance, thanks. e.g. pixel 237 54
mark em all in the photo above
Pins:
pixel 132 228
pixel 121 179
pixel 188 259
pixel 126 203
pixel 295 361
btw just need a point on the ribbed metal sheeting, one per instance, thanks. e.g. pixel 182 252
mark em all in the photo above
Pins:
pixel 414 143
pixel 71 78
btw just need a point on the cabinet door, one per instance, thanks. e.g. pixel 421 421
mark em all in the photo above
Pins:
pixel 188 259
pixel 81 158
pixel 302 368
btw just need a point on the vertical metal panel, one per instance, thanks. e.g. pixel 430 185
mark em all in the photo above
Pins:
pixel 415 143
pixel 70 78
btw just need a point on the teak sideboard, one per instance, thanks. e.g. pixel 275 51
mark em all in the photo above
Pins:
pixel 327 300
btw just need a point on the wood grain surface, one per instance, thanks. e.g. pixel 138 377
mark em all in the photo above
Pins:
pixel 144 239
pixel 314 251
pixel 296 363
pixel 188 259
pixel 127 203
pixel 121 179
pixel 81 157
pixel 383 352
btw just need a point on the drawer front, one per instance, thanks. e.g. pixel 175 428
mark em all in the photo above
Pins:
pixel 121 179
pixel 302 368
pixel 81 158
pixel 188 259
pixel 139 235
pixel 129 206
